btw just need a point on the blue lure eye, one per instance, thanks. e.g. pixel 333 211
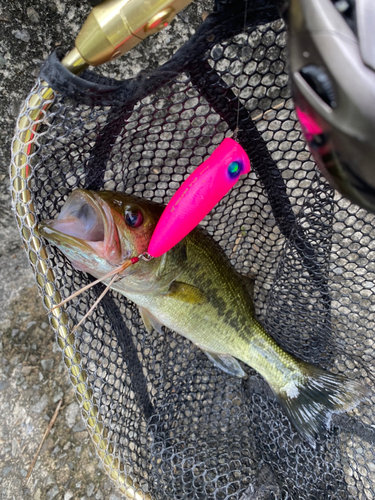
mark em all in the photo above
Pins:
pixel 234 169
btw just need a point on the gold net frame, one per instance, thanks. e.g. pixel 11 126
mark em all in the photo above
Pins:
pixel 34 114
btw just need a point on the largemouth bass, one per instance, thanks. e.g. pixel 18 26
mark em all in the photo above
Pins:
pixel 194 290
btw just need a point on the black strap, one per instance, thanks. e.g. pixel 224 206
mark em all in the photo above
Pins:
pixel 218 26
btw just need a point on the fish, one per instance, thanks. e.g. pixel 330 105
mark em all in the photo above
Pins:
pixel 195 291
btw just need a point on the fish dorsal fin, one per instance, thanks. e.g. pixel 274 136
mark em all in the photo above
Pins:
pixel 150 321
pixel 249 280
pixel 186 293
pixel 227 363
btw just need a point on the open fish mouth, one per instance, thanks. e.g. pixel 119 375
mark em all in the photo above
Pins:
pixel 81 218
pixel 85 224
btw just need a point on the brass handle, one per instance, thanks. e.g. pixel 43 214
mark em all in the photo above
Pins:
pixel 115 26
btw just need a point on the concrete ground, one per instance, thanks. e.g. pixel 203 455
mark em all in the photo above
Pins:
pixel 32 376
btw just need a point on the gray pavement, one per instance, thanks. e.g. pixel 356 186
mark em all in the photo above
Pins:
pixel 32 376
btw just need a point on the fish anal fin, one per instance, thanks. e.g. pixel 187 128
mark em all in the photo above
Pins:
pixel 150 321
pixel 186 293
pixel 226 362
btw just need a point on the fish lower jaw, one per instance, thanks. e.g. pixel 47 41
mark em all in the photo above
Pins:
pixel 97 246
pixel 112 257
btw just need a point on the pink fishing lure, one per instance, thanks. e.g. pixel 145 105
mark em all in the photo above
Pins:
pixel 201 191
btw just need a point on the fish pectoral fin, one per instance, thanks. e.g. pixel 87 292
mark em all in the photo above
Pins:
pixel 150 321
pixel 227 363
pixel 186 293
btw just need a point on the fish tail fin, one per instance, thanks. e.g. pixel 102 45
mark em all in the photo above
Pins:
pixel 310 401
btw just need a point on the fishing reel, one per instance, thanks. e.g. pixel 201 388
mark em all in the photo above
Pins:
pixel 332 71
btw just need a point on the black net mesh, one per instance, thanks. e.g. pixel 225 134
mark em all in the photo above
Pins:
pixel 172 424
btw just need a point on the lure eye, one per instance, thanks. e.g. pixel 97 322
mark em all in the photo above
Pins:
pixel 133 218
pixel 234 169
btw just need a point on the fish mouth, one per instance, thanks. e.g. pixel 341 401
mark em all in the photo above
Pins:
pixel 84 224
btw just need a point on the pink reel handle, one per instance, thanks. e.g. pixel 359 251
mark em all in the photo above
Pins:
pixel 198 194
pixel 309 125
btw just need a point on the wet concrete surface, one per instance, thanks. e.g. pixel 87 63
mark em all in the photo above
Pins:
pixel 32 376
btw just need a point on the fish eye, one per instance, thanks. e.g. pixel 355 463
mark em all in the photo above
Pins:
pixel 133 217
